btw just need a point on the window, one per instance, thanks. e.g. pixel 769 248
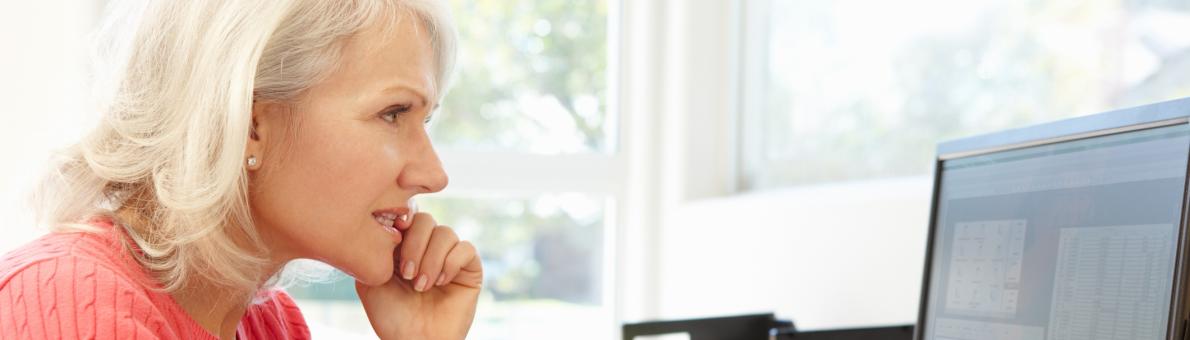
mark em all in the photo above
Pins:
pixel 855 89
pixel 528 139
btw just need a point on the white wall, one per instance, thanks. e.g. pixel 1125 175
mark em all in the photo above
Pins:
pixel 42 98
pixel 843 255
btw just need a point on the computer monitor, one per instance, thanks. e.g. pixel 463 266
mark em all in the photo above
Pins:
pixel 1072 230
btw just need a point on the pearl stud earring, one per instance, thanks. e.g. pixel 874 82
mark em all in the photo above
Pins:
pixel 252 161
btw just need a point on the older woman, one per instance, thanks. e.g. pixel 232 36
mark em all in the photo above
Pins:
pixel 238 136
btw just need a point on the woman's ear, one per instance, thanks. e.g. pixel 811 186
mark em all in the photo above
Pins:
pixel 263 115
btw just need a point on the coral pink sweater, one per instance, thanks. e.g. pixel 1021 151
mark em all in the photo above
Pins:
pixel 82 285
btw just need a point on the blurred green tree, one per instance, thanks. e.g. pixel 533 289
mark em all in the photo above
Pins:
pixel 531 76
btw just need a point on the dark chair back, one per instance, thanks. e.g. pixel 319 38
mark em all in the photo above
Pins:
pixel 742 327
pixel 903 332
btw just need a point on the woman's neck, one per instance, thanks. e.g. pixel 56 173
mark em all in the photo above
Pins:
pixel 216 308
pixel 218 311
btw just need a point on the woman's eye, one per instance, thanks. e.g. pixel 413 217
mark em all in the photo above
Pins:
pixel 390 114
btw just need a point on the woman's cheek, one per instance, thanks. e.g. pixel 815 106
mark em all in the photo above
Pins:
pixel 391 154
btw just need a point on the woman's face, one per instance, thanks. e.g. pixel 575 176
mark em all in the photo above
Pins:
pixel 358 150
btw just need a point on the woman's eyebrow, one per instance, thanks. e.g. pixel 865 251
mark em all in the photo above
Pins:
pixel 421 94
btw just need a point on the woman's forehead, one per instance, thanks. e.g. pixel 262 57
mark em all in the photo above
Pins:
pixel 388 56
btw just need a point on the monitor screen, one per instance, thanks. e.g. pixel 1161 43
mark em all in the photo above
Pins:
pixel 1063 241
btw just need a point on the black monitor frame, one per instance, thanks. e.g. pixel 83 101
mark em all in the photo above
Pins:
pixel 1169 113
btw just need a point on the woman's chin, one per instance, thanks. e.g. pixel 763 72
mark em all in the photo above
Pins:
pixel 373 274
pixel 371 264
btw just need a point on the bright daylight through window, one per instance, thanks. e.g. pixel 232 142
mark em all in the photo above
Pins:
pixel 859 89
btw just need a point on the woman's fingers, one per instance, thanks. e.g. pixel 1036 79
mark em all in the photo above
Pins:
pixel 442 240
pixel 432 255
pixel 416 239
pixel 463 266
pixel 405 221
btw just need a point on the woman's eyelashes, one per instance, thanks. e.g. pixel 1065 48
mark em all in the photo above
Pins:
pixel 391 113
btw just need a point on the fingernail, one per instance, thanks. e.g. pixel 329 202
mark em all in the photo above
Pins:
pixel 409 270
pixel 441 279
pixel 421 283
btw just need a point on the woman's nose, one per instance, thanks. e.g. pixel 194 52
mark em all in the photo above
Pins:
pixel 424 173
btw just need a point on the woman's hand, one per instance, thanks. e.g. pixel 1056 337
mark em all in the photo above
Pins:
pixel 434 292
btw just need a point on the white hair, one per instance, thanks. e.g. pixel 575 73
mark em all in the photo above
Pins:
pixel 175 83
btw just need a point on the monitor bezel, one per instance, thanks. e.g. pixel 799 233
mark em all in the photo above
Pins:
pixel 1169 113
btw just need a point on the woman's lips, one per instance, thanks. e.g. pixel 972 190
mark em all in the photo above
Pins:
pixel 391 219
pixel 394 217
pixel 386 219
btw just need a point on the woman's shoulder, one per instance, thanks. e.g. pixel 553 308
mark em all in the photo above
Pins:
pixel 64 254
pixel 73 285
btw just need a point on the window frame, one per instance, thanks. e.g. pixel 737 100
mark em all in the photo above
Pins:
pixel 754 37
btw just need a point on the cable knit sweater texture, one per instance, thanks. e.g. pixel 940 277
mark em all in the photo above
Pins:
pixel 83 285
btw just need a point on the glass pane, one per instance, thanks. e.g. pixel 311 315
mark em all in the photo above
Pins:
pixel 862 89
pixel 531 77
pixel 543 266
